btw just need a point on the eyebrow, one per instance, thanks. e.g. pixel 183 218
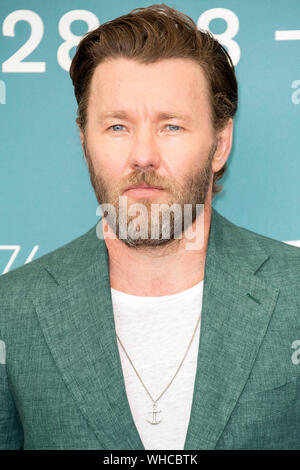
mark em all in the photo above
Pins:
pixel 160 116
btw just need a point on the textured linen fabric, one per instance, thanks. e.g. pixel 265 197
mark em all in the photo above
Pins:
pixel 62 384
pixel 156 332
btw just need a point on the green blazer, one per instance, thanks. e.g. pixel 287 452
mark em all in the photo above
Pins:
pixel 62 383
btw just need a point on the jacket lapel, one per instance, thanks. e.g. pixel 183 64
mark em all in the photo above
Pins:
pixel 76 316
pixel 233 325
pixel 74 307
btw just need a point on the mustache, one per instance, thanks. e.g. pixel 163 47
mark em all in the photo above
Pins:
pixel 148 177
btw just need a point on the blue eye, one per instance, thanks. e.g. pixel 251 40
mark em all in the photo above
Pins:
pixel 173 125
pixel 116 125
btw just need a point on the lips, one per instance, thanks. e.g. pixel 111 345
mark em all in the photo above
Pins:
pixel 142 185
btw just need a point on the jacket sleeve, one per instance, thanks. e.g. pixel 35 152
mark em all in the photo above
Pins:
pixel 11 430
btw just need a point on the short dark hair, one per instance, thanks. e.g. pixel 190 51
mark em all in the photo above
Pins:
pixel 148 35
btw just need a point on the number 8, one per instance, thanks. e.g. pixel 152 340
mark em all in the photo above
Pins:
pixel 224 38
pixel 71 40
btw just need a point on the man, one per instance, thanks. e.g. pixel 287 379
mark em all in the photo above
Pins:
pixel 126 340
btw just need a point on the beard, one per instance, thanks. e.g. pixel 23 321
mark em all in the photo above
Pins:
pixel 192 192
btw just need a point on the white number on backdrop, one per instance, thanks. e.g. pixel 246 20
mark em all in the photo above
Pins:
pixel 71 40
pixel 14 63
pixel 296 94
pixel 16 249
pixel 226 38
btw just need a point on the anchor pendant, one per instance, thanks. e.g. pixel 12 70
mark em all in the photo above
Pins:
pixel 154 412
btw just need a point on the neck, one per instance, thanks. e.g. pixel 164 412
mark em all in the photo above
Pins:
pixel 162 270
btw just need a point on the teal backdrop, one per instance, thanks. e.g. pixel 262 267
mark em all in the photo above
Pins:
pixel 46 196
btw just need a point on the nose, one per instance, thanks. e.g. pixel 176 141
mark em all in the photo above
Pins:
pixel 144 152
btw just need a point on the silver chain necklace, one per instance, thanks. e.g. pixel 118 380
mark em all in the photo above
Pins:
pixel 155 411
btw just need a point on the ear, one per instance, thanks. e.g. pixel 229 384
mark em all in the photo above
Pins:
pixel 224 138
pixel 81 138
pixel 80 131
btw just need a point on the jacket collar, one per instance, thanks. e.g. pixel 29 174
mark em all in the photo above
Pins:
pixel 74 306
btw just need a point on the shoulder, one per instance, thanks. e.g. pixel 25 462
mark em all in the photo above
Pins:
pixel 283 258
pixel 276 248
pixel 67 259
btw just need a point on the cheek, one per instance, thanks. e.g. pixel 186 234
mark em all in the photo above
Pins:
pixel 105 159
pixel 177 151
pixel 189 157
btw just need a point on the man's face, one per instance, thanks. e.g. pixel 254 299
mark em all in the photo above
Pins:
pixel 149 124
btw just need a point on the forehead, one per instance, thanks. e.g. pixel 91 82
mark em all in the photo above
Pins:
pixel 174 84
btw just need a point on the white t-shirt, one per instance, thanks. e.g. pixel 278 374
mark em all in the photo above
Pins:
pixel 156 332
